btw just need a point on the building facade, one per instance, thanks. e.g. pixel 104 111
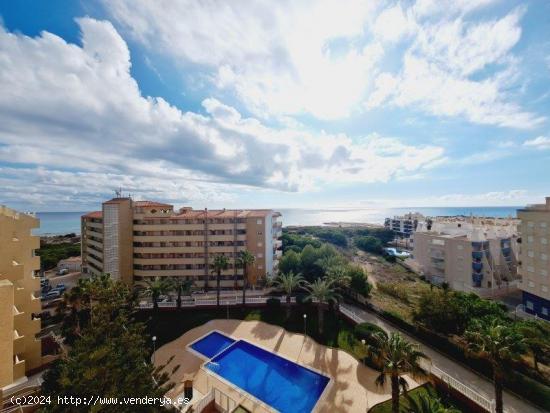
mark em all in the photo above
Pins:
pixel 534 258
pixel 470 254
pixel 405 225
pixel 137 240
pixel 20 350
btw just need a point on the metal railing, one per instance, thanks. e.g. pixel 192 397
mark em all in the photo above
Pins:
pixel 471 394
pixel 224 301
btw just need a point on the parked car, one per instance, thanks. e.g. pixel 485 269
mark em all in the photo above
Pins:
pixel 60 287
pixel 44 289
pixel 51 295
pixel 63 271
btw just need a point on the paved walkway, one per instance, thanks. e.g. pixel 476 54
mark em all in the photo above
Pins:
pixel 352 388
pixel 512 404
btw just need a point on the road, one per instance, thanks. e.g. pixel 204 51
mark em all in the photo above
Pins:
pixel 512 404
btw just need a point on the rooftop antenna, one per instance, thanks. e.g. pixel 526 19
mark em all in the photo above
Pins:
pixel 118 192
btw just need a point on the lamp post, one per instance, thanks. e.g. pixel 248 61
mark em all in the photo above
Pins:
pixel 364 345
pixel 154 339
pixel 305 326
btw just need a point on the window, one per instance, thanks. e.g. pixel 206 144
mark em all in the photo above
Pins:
pixel 544 257
pixel 438 241
pixel 544 311
pixel 260 233
pixel 544 288
pixel 530 254
pixel 531 284
pixel 260 255
pixel 260 244
pixel 544 273
pixel 543 224
pixel 530 268
pixel 260 267
pixel 530 238
pixel 529 305
pixel 260 221
pixel 460 247
pixel 530 224
pixel 543 241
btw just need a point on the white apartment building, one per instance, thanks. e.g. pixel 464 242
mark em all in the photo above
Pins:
pixel 404 226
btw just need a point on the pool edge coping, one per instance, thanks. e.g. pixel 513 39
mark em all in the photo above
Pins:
pixel 241 390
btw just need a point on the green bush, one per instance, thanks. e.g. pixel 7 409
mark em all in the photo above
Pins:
pixel 394 290
pixel 51 254
pixel 273 303
pixel 369 244
pixel 365 331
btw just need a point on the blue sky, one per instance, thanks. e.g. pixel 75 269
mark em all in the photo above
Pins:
pixel 256 104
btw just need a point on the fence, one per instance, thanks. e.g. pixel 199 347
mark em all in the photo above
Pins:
pixel 487 404
pixel 205 401
pixel 225 301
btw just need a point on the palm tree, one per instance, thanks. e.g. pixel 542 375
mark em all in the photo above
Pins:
pixel 181 286
pixel 427 404
pixel 499 344
pixel 396 357
pixel 289 283
pixel 245 259
pixel 536 335
pixel 322 291
pixel 154 288
pixel 220 263
pixel 339 275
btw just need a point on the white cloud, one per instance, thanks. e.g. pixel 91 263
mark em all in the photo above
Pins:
pixel 77 114
pixel 326 58
pixel 540 142
pixel 278 57
pixel 436 76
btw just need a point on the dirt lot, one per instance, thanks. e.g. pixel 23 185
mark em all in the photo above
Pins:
pixel 406 283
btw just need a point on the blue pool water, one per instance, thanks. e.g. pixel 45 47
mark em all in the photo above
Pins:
pixel 212 344
pixel 276 381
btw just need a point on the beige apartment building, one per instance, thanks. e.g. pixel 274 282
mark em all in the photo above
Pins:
pixel 20 351
pixel 534 258
pixel 136 240
pixel 470 254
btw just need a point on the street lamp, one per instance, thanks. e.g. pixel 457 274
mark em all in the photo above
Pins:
pixel 365 345
pixel 305 329
pixel 154 339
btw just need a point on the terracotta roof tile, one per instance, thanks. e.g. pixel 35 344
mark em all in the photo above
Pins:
pixel 94 214
pixel 151 204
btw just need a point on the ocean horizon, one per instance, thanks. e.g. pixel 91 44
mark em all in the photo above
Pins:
pixel 60 223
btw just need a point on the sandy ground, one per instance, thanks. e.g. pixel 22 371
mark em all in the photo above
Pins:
pixel 352 387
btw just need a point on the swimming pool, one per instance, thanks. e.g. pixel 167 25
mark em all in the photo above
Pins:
pixel 212 344
pixel 276 381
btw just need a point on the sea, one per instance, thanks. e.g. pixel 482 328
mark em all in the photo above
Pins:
pixel 59 223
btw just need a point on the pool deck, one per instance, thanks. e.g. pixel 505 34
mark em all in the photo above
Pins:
pixel 351 389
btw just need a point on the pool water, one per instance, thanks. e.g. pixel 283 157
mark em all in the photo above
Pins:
pixel 212 344
pixel 276 381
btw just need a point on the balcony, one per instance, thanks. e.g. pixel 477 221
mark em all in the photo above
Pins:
pixel 18 342
pixel 18 368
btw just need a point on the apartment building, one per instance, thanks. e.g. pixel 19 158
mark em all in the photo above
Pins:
pixel 20 351
pixel 136 240
pixel 403 226
pixel 470 254
pixel 534 258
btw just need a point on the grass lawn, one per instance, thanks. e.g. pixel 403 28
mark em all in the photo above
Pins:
pixel 426 389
